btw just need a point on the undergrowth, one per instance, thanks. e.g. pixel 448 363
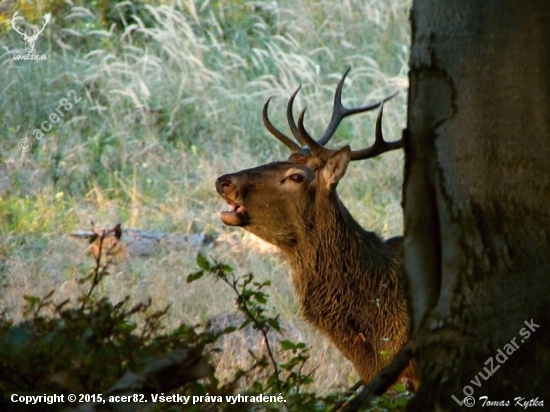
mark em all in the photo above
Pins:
pixel 89 346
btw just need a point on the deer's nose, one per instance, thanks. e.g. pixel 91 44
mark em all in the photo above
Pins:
pixel 224 184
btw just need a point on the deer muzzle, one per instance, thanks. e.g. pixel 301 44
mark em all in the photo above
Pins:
pixel 226 186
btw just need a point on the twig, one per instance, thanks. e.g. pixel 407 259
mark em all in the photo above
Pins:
pixel 97 269
pixel 348 393
pixel 381 382
pixel 299 377
pixel 100 269
pixel 229 386
pixel 263 330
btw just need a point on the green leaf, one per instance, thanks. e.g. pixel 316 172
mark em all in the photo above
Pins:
pixel 400 402
pixel 239 374
pixel 274 323
pixel 229 329
pixel 194 276
pixel 32 299
pixel 260 298
pixel 203 262
pixel 127 326
pixel 307 380
pixel 399 387
pixel 287 345
pixel 245 324
pixel 290 364
pixel 226 268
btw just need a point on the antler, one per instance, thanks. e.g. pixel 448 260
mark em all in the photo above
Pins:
pixel 16 28
pixel 287 141
pixel 339 111
pixel 29 39
pixel 47 18
pixel 317 149
pixel 380 145
pixel 292 124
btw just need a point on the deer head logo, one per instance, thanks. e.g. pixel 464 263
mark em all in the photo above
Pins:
pixel 32 38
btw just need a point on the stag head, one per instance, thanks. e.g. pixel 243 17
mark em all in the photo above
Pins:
pixel 34 36
pixel 286 202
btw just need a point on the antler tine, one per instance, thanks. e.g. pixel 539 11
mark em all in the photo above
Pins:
pixel 290 117
pixel 315 147
pixel 380 145
pixel 275 132
pixel 339 111
pixel 14 19
pixel 47 18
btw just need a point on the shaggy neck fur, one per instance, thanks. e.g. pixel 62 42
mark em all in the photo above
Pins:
pixel 337 251
pixel 347 283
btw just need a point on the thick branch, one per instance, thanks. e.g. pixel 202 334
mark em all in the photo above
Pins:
pixel 381 382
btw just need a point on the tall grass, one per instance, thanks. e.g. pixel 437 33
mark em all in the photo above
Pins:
pixel 169 101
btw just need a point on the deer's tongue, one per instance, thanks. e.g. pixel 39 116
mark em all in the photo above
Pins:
pixel 236 216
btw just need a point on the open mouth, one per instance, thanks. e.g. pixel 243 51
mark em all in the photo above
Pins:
pixel 237 216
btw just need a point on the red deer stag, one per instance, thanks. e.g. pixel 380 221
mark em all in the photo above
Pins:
pixel 346 278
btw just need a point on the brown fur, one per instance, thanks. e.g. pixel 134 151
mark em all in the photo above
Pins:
pixel 346 278
pixel 108 243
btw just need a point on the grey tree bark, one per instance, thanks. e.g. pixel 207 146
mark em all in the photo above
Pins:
pixel 477 202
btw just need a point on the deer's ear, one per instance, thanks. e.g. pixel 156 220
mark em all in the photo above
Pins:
pixel 335 167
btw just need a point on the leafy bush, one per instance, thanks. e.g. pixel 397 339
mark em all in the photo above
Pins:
pixel 83 346
pixel 87 346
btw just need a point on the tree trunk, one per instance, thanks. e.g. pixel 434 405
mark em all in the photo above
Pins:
pixel 477 201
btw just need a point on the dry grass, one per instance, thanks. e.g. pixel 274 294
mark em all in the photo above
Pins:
pixel 164 111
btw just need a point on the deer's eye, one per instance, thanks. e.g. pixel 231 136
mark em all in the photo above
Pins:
pixel 298 178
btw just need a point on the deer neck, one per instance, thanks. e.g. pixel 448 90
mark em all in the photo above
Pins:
pixel 336 250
